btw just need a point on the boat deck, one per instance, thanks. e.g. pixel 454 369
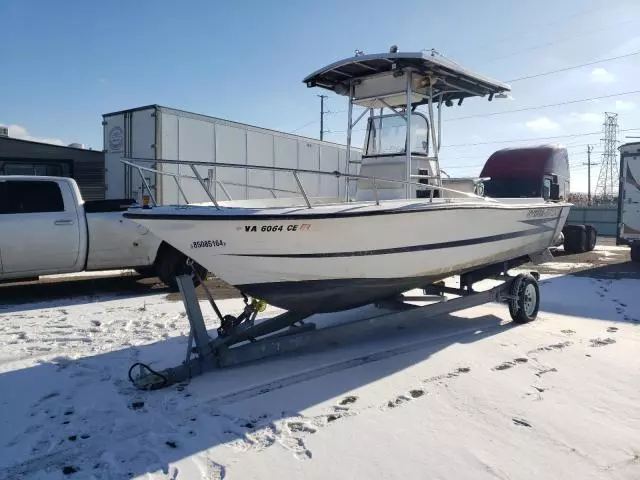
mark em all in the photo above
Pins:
pixel 262 209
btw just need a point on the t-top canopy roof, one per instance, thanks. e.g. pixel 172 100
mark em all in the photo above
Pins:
pixel 452 81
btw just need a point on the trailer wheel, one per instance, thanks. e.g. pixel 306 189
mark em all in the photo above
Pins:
pixel 525 301
pixel 635 252
pixel 575 239
pixel 171 263
pixel 592 237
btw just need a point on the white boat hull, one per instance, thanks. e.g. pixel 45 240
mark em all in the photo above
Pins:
pixel 332 258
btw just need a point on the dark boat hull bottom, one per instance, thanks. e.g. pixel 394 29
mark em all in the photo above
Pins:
pixel 322 296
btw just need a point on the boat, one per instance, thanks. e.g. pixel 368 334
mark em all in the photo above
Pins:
pixel 398 227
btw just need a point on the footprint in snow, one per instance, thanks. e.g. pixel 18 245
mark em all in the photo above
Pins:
pixel 543 371
pixel 215 471
pixel 399 400
pixel 69 470
pixel 612 329
pixel 504 366
pixel 48 396
pixel 536 393
pixel 416 393
pixel 450 375
pixel 551 347
pixel 520 422
pixel 296 446
pixel 256 440
pixel 348 400
pixel 212 470
pixel 511 364
pixel 597 342
pixel 300 427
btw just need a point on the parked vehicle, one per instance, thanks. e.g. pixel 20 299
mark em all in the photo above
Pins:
pixel 537 172
pixel 47 228
pixel 629 199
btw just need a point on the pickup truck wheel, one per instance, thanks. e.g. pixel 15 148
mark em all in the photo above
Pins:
pixel 173 263
pixel 635 252
pixel 575 239
pixel 592 237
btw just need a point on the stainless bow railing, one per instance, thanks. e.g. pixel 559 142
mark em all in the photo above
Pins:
pixel 294 171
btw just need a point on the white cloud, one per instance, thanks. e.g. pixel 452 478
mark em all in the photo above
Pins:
pixel 16 131
pixel 587 117
pixel 602 76
pixel 542 124
pixel 625 106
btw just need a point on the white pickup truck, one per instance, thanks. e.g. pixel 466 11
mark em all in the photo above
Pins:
pixel 47 228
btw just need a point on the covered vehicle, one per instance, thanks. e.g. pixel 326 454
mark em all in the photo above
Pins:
pixel 540 171
pixel 629 199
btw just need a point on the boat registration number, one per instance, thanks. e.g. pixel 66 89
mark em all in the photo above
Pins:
pixel 276 228
pixel 208 243
pixel 542 212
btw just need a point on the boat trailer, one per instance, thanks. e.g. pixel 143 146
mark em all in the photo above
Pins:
pixel 241 339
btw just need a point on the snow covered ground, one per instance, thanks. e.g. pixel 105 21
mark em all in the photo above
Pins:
pixel 465 396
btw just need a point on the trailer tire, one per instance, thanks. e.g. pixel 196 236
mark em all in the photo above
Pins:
pixel 171 263
pixel 575 239
pixel 635 252
pixel 592 237
pixel 525 298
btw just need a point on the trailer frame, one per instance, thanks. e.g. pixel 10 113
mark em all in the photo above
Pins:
pixel 241 340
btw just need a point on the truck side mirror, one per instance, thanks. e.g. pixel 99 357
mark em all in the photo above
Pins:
pixel 555 191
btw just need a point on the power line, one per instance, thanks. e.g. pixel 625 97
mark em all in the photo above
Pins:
pixel 533 139
pixel 573 67
pixel 305 125
pixel 555 42
pixel 524 109
pixel 559 20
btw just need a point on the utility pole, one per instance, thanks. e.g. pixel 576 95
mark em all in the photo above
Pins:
pixel 322 97
pixel 588 164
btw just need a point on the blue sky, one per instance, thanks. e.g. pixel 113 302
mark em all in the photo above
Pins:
pixel 64 64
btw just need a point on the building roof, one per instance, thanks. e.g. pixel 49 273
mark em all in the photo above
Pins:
pixel 44 144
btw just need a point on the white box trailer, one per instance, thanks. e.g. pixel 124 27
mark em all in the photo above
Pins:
pixel 156 132
pixel 629 199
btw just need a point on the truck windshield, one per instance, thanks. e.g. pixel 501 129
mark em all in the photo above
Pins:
pixel 387 135
pixel 513 188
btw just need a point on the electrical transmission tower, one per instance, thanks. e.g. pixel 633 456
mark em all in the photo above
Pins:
pixel 607 187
